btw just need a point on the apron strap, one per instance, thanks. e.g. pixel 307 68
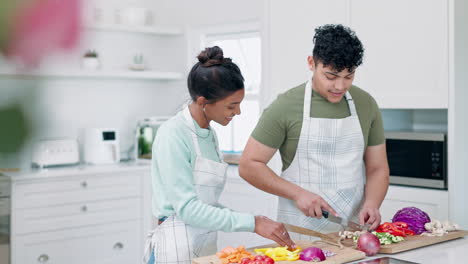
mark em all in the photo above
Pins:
pixel 352 107
pixel 220 155
pixel 189 120
pixel 308 105
pixel 307 100
pixel 149 246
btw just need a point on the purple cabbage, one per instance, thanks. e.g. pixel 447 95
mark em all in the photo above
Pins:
pixel 414 217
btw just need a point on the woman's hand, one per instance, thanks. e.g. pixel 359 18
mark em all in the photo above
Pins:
pixel 312 204
pixel 275 231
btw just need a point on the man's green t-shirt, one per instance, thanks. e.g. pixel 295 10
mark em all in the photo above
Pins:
pixel 280 125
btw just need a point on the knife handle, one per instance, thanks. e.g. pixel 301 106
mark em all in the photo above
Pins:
pixel 325 214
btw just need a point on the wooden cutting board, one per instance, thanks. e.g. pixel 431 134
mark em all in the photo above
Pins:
pixel 342 255
pixel 411 242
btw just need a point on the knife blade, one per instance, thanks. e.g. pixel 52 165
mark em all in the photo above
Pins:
pixel 344 223
pixel 306 231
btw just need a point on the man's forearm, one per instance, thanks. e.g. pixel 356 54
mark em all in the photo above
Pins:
pixel 376 187
pixel 261 176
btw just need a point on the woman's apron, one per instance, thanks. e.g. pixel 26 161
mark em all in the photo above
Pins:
pixel 328 162
pixel 175 242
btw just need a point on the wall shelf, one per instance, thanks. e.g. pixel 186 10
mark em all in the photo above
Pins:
pixel 133 29
pixel 94 74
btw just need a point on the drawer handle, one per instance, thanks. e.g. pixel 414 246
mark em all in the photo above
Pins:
pixel 43 258
pixel 118 246
pixel 84 208
pixel 84 184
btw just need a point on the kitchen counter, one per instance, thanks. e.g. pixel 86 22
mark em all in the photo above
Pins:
pixel 52 172
pixel 450 252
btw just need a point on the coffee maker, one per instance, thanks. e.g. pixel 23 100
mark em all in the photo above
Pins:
pixel 145 133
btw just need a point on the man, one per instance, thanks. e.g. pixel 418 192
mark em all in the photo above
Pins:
pixel 331 140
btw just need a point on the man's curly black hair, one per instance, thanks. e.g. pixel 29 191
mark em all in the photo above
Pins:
pixel 337 46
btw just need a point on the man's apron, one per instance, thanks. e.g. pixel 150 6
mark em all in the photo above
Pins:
pixel 175 242
pixel 328 162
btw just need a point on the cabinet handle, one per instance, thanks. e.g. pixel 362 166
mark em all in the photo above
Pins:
pixel 43 258
pixel 84 184
pixel 84 208
pixel 118 246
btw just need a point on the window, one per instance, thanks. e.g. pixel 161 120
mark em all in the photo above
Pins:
pixel 242 43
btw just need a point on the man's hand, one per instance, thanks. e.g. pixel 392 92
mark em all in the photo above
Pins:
pixel 312 204
pixel 370 216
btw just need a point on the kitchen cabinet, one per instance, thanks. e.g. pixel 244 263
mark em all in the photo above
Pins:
pixel 406 51
pixel 91 214
pixel 433 202
pixel 406 47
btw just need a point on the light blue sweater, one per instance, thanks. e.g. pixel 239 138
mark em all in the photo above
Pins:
pixel 172 179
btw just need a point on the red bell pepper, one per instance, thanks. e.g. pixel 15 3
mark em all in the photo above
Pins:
pixel 396 229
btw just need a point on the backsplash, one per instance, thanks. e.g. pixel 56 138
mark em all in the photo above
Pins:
pixel 63 108
pixel 415 119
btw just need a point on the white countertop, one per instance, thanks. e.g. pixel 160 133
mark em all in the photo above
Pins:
pixel 35 173
pixel 449 252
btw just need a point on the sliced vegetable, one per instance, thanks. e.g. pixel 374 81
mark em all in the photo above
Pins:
pixel 234 255
pixel 368 243
pixel 438 228
pixel 328 253
pixel 280 253
pixel 314 254
pixel 414 217
pixel 396 229
pixel 387 238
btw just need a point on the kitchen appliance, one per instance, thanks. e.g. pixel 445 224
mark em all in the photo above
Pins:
pixel 145 133
pixel 417 159
pixel 55 152
pixel 101 146
pixel 5 205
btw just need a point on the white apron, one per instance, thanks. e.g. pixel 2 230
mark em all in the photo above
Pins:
pixel 328 162
pixel 175 242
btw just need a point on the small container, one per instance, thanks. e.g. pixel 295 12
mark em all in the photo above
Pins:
pixel 90 63
pixel 135 16
pixel 90 60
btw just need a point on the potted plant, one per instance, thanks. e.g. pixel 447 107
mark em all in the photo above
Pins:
pixel 138 63
pixel 91 60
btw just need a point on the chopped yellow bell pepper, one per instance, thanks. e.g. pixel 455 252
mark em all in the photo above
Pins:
pixel 280 253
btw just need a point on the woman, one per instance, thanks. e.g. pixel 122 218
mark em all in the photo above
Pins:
pixel 188 173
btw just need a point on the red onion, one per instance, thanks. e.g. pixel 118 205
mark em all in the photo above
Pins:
pixel 368 243
pixel 312 254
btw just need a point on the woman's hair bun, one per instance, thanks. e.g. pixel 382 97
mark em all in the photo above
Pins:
pixel 212 56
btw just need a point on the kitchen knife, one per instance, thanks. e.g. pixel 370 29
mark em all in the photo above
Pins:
pixel 345 224
pixel 306 231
